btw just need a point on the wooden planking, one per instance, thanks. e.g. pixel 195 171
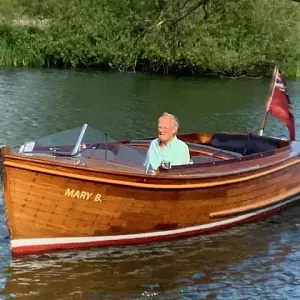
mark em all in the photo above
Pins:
pixel 195 210
pixel 260 183
pixel 258 204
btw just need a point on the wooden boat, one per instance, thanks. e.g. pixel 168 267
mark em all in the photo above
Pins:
pixel 81 188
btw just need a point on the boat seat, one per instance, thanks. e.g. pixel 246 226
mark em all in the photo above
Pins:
pixel 246 144
pixel 207 147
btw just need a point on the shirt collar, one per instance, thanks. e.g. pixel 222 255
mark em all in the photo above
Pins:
pixel 168 144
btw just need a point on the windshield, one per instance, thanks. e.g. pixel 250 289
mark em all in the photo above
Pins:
pixel 68 142
pixel 87 142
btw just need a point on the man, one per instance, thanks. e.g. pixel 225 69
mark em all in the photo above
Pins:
pixel 167 147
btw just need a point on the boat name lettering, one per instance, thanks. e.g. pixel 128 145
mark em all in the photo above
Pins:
pixel 79 194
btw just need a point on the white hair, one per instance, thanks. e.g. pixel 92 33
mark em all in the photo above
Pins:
pixel 175 120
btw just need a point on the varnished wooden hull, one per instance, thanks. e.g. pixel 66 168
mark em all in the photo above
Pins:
pixel 54 205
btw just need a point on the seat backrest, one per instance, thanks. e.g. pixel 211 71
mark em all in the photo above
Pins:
pixel 203 159
pixel 201 146
pixel 244 144
pixel 131 155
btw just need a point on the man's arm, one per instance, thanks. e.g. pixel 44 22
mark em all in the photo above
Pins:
pixel 148 162
pixel 186 156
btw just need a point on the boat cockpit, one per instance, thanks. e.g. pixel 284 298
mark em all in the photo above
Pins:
pixel 89 143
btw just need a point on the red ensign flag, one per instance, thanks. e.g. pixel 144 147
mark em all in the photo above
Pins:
pixel 280 105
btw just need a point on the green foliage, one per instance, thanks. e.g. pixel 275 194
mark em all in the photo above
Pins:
pixel 223 37
pixel 19 47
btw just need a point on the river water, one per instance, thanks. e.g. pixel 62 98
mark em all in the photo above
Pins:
pixel 254 261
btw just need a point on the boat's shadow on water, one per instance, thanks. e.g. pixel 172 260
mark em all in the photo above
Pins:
pixel 242 258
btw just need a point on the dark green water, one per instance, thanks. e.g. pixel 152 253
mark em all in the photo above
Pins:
pixel 256 261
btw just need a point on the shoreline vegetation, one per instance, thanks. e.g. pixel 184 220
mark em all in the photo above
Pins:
pixel 227 38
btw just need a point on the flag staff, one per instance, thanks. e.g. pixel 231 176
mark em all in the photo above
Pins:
pixel 271 92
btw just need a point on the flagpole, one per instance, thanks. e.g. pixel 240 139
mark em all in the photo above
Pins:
pixel 271 92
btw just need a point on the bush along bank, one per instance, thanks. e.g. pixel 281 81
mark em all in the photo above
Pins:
pixel 224 38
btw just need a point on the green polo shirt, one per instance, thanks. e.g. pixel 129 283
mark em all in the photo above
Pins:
pixel 176 152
